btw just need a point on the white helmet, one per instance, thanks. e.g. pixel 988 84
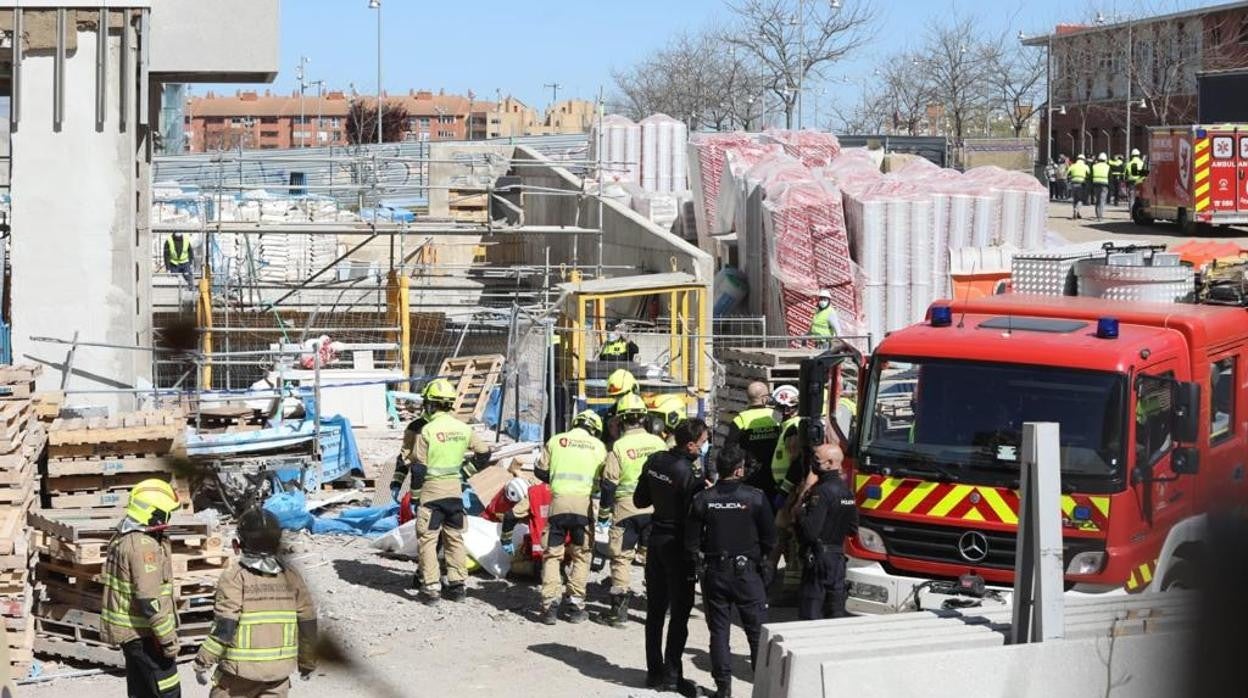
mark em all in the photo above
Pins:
pixel 517 489
pixel 785 396
pixel 825 293
pixel 1135 152
pixel 1101 157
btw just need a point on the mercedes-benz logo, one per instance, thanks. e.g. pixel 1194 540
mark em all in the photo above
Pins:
pixel 973 546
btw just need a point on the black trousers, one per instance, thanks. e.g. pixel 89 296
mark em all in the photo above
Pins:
pixel 669 586
pixel 723 587
pixel 149 673
pixel 823 581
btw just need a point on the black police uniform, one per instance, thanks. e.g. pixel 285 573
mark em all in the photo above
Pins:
pixel 668 482
pixel 732 525
pixel 828 515
pixel 760 443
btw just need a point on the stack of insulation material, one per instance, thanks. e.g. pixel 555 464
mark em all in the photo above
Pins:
pixel 707 152
pixel 663 154
pixel 812 148
pixel 737 162
pixel 618 143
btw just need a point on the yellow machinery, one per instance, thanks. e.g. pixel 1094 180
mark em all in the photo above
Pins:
pixel 680 344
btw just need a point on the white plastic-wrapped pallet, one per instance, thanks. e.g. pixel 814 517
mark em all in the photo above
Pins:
pixel 920 257
pixel 873 310
pixel 872 225
pixel 1035 220
pixel 897 243
pixel 961 211
pixel 664 157
pixel 618 143
pixel 680 169
pixel 1013 202
pixel 984 222
pixel 940 244
pixel 650 154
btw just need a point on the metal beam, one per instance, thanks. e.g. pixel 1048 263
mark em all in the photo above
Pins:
pixel 15 91
pixel 101 68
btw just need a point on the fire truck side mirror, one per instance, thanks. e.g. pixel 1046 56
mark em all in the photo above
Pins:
pixel 1185 461
pixel 1186 401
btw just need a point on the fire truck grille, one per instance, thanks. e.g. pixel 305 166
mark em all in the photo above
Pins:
pixel 946 544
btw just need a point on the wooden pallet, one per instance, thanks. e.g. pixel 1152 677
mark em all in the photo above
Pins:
pixel 112 493
pixel 99 655
pixel 91 525
pixel 108 465
pixel 474 377
pixel 20 380
pixel 47 404
pixel 90 552
pixel 153 433
pixel 19 495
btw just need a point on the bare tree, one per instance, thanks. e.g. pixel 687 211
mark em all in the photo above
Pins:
pixel 958 66
pixel 1017 77
pixel 908 92
pixel 865 116
pixel 793 41
pixel 362 122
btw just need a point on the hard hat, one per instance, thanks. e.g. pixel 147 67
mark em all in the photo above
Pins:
pixel 621 381
pixel 1080 157
pixel 151 502
pixel 439 390
pixel 259 532
pixel 590 420
pixel 671 409
pixel 517 488
pixel 1101 157
pixel 825 293
pixel 785 396
pixel 1135 152
pixel 630 404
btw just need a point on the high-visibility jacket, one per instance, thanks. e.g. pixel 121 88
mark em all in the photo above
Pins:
pixel 138 591
pixel 616 350
pixel 1135 170
pixel 575 460
pixel 781 461
pixel 1078 172
pixel 175 254
pixel 631 451
pixel 1100 173
pixel 756 431
pixel 264 627
pixel 822 324
pixel 439 454
pixel 1117 167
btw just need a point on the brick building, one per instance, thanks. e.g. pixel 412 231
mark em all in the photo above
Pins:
pixel 1110 81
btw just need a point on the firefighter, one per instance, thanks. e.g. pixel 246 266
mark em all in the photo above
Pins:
pixel 826 516
pixel 438 473
pixel 668 482
pixel 402 462
pixel 630 525
pixel 666 412
pixel 618 347
pixel 756 430
pixel 137 612
pixel 620 383
pixel 733 528
pixel 571 463
pixel 265 623
pixel 1078 176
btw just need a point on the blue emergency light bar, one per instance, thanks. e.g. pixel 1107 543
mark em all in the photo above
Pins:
pixel 942 316
pixel 1107 328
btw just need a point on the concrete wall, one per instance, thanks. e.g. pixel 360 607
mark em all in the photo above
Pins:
pixel 215 41
pixel 77 260
pixel 628 238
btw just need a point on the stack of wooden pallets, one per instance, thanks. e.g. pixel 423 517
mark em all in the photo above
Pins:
pixel 474 378
pixel 71 549
pixel 775 367
pixel 93 463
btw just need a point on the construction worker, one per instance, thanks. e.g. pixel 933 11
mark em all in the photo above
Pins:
pixel 179 258
pixel 137 611
pixel 731 525
pixel 521 502
pixel 668 482
pixel 1078 177
pixel 825 322
pixel 756 430
pixel 630 525
pixel 1137 171
pixel 264 627
pixel 571 463
pixel 1100 184
pixel 619 383
pixel 1117 176
pixel 667 411
pixel 438 474
pixel 618 347
pixel 826 516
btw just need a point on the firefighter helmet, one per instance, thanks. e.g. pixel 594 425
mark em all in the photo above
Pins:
pixel 630 405
pixel 785 397
pixel 621 381
pixel 590 420
pixel 517 488
pixel 151 502
pixel 259 532
pixel 670 409
pixel 439 391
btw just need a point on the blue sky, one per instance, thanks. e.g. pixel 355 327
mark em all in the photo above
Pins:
pixel 518 46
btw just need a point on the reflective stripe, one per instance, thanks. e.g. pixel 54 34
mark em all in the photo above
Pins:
pixel 124 587
pixel 243 650
pixel 575 460
pixel 632 450
pixel 258 617
pixel 261 655
pixel 446 442
pixel 167 683
pixel 616 348
pixel 177 256
pixel 126 620
pixel 213 646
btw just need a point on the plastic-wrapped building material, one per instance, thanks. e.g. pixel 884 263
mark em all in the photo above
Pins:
pixel 1013 203
pixel 813 148
pixel 897 243
pixel 921 239
pixel 961 212
pixel 871 242
pixel 649 154
pixel 663 153
pixel 1035 220
pixel 707 152
pixel 940 245
pixel 873 310
pixel 618 143
pixel 897 306
pixel 984 222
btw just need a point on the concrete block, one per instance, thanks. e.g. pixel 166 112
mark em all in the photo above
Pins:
pixel 218 41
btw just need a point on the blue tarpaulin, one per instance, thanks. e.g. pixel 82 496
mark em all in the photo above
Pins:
pixel 291 510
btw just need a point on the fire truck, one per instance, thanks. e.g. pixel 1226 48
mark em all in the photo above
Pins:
pixel 1152 403
pixel 1197 175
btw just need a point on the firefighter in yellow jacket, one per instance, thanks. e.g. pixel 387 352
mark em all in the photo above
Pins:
pixel 265 623
pixel 438 472
pixel 137 612
pixel 630 525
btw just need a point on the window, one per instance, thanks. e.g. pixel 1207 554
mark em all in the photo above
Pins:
pixel 446 119
pixel 1153 418
pixel 424 122
pixel 1221 399
pixel 446 134
pixel 268 120
pixel 268 134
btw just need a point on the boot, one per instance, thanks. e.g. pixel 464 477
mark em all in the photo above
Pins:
pixel 430 597
pixel 617 617
pixel 550 614
pixel 456 592
pixel 578 614
pixel 723 690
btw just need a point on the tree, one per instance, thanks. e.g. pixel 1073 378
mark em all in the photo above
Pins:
pixel 362 122
pixel 792 41
pixel 1017 75
pixel 958 68
pixel 866 116
pixel 907 92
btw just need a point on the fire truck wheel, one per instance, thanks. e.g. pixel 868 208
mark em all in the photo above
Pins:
pixel 1181 575
pixel 1187 226
pixel 1138 216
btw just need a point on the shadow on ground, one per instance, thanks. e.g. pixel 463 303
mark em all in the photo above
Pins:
pixel 519 597
pixel 392 580
pixel 591 664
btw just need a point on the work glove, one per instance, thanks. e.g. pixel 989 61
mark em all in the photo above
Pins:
pixel 604 518
pixel 509 548
pixel 201 675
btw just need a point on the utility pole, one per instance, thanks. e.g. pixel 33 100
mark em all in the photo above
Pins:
pixel 554 91
pixel 303 86
pixel 376 5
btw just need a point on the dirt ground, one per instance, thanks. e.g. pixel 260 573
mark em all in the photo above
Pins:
pixel 1118 226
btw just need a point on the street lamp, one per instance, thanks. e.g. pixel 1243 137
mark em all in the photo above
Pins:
pixel 303 86
pixel 376 5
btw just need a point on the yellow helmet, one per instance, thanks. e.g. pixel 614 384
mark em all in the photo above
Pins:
pixel 152 500
pixel 630 404
pixel 670 408
pixel 590 420
pixel 439 390
pixel 621 381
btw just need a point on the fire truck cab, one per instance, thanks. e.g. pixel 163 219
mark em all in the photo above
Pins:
pixel 1152 405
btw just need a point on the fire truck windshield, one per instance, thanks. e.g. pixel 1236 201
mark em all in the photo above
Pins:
pixel 964 420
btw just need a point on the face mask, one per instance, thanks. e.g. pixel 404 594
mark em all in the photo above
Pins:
pixel 613 337
pixel 705 449
pixel 824 303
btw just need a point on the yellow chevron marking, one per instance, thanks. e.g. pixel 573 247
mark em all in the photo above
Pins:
pixel 1146 573
pixel 1202 144
pixel 956 495
pixel 1101 504
pixel 1202 204
pixel 998 505
pixel 1202 189
pixel 917 495
pixel 1202 160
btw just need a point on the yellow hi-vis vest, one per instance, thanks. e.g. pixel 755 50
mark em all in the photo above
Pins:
pixel 760 422
pixel 575 458
pixel 632 451
pixel 821 324
pixel 448 440
pixel 618 348
pixel 1135 170
pixel 178 256
pixel 1078 173
pixel 780 461
pixel 1100 173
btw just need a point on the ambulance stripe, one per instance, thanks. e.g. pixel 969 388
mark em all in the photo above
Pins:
pixel 957 494
pixel 1202 160
pixel 1202 175
pixel 1202 204
pixel 1202 189
pixel 1202 144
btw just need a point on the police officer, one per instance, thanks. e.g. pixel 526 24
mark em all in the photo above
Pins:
pixel 618 347
pixel 826 516
pixel 438 472
pixel 264 628
pixel 630 525
pixel 756 430
pixel 668 482
pixel 732 526
pixel 571 462
pixel 137 612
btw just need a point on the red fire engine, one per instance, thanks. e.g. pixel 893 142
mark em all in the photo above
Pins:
pixel 1197 175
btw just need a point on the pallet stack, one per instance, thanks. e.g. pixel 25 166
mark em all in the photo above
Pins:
pixel 72 547
pixel 93 463
pixel 775 367
pixel 469 206
pixel 22 444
